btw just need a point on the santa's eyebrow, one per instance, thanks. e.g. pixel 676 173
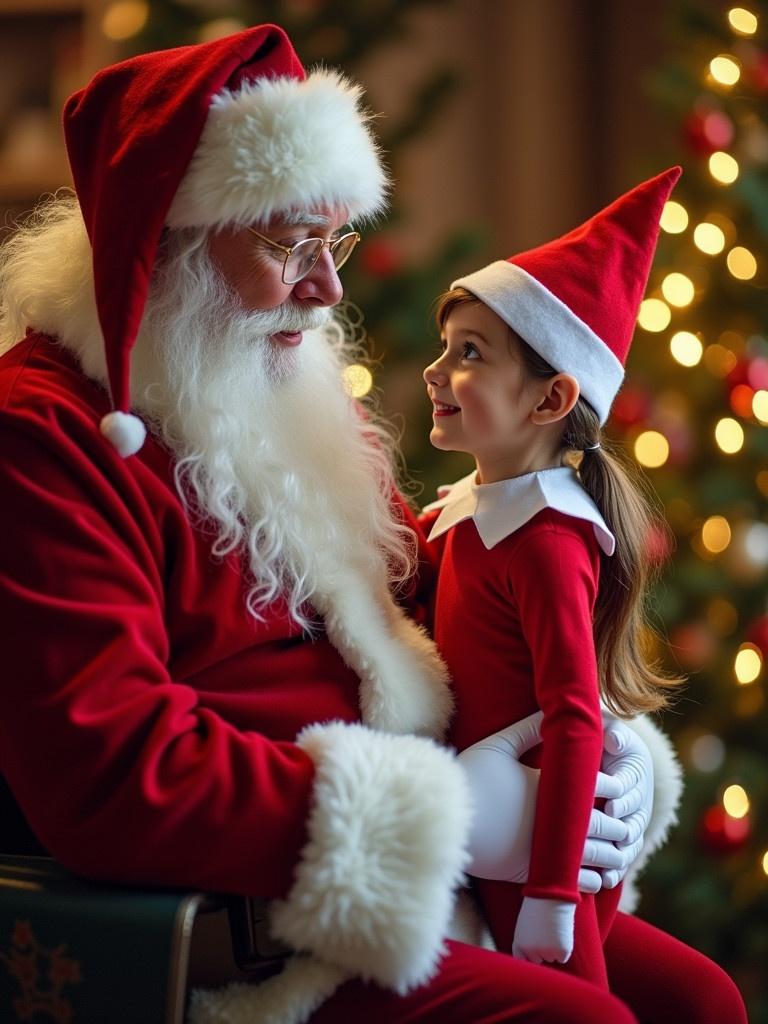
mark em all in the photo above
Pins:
pixel 304 219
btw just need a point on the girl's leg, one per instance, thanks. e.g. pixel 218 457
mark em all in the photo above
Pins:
pixel 481 987
pixel 666 982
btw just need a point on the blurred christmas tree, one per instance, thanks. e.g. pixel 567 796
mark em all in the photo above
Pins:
pixel 695 413
pixel 394 293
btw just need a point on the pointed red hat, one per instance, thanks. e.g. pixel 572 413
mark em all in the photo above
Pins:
pixel 575 300
pixel 226 132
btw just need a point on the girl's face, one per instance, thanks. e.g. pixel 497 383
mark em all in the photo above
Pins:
pixel 483 396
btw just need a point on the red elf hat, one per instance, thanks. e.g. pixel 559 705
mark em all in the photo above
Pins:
pixel 575 300
pixel 226 132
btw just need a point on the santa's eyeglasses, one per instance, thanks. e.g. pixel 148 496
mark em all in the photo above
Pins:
pixel 302 257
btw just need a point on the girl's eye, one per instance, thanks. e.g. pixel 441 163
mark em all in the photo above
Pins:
pixel 469 351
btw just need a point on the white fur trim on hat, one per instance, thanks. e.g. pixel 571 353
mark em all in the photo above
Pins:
pixel 550 328
pixel 374 889
pixel 279 144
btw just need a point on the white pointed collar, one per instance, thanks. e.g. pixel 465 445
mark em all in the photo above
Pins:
pixel 501 508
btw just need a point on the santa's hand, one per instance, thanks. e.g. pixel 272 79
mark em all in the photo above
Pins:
pixel 544 931
pixel 626 780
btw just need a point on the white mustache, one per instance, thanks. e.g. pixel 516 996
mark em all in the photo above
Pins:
pixel 291 317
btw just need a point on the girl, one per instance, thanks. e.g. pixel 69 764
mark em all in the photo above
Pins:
pixel 544 567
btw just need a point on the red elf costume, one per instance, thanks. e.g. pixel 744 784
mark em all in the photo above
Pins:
pixel 520 566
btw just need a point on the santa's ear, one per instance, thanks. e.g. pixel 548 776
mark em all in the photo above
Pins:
pixel 558 395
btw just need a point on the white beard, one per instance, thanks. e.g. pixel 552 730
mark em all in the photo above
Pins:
pixel 271 450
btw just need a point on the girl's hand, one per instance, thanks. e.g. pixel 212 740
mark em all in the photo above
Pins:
pixel 544 931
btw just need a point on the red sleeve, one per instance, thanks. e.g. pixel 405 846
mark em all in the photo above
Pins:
pixel 554 579
pixel 119 770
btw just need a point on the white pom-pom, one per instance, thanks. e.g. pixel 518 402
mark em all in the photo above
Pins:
pixel 124 431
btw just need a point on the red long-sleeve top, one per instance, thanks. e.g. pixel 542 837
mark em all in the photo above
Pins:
pixel 514 624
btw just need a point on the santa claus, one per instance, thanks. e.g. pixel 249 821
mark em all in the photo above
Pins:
pixel 216 668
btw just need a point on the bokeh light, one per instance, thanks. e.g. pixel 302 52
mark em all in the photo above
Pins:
pixel 719 360
pixel 723 168
pixel 736 801
pixel 725 70
pixel 358 380
pixel 748 663
pixel 716 534
pixel 707 752
pixel 124 19
pixel 729 435
pixel 709 238
pixel 678 289
pixel 686 348
pixel 760 406
pixel 741 263
pixel 651 449
pixel 742 21
pixel 674 218
pixel 654 315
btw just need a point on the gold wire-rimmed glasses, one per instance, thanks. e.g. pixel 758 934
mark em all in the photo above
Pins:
pixel 301 258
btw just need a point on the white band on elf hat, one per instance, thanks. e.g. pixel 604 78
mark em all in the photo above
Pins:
pixel 550 328
pixel 276 144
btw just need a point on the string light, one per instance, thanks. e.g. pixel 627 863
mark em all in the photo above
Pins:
pixel 725 70
pixel 678 289
pixel 358 380
pixel 651 449
pixel 742 21
pixel 124 19
pixel 741 263
pixel 654 315
pixel 686 348
pixel 741 400
pixel 765 862
pixel 716 534
pixel 723 168
pixel 709 238
pixel 756 544
pixel 747 664
pixel 674 218
pixel 736 801
pixel 729 435
pixel 760 406
pixel 719 360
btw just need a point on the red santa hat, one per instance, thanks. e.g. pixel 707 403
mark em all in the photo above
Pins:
pixel 575 300
pixel 224 133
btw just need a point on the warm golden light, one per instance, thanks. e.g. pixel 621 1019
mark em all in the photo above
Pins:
pixel 723 168
pixel 722 616
pixel 741 263
pixel 725 70
pixel 218 28
pixel 748 663
pixel 651 449
pixel 674 218
pixel 677 289
pixel 729 435
pixel 765 862
pixel 716 534
pixel 736 801
pixel 709 238
pixel 719 360
pixel 654 315
pixel 686 348
pixel 124 19
pixel 742 21
pixel 358 380
pixel 760 406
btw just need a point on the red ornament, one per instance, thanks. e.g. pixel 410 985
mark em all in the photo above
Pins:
pixel 757 634
pixel 380 258
pixel 721 833
pixel 707 131
pixel 631 407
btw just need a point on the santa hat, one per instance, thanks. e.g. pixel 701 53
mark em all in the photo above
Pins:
pixel 223 133
pixel 575 300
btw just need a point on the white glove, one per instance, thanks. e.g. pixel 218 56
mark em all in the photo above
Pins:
pixel 504 798
pixel 544 931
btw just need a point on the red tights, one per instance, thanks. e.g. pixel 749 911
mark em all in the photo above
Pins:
pixel 654 979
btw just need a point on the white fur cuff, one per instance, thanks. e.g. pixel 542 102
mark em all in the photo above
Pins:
pixel 374 891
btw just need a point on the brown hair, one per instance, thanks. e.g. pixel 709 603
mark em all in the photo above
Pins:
pixel 630 682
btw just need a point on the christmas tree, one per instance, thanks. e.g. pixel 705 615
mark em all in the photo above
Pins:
pixel 694 412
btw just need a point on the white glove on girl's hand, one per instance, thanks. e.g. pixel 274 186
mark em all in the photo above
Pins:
pixel 504 797
pixel 544 931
